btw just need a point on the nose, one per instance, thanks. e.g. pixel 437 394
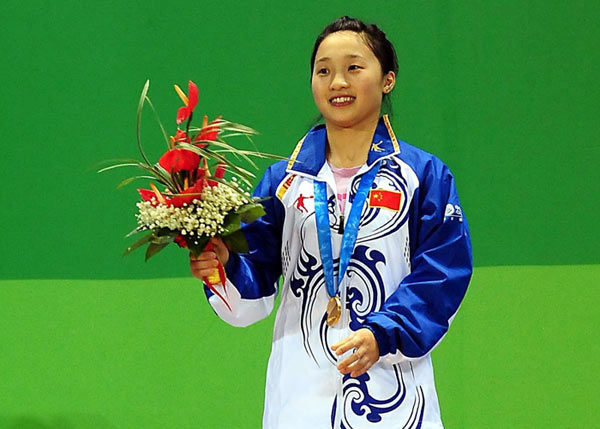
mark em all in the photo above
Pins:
pixel 338 81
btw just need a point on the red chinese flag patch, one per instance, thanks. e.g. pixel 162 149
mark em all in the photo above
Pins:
pixel 385 199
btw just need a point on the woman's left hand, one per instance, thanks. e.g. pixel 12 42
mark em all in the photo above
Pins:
pixel 366 352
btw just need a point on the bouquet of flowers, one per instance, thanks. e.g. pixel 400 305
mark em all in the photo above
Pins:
pixel 197 201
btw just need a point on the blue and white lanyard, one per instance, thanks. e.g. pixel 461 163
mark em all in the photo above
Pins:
pixel 350 231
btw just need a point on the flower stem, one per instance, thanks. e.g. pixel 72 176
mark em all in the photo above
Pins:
pixel 187 125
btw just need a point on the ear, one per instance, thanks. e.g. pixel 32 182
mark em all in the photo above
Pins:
pixel 389 80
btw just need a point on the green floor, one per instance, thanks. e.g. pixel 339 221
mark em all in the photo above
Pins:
pixel 152 354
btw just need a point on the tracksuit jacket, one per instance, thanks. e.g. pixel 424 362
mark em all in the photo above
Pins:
pixel 405 281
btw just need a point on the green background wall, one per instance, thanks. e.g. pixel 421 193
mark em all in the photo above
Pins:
pixel 504 92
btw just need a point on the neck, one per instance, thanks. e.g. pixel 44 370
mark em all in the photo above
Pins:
pixel 349 147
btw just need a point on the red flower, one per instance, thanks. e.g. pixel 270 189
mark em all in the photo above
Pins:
pixel 180 137
pixel 192 193
pixel 195 189
pixel 147 195
pixel 180 241
pixel 219 174
pixel 208 131
pixel 190 102
pixel 220 170
pixel 201 173
pixel 175 160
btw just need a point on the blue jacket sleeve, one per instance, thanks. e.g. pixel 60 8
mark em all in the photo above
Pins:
pixel 252 278
pixel 416 316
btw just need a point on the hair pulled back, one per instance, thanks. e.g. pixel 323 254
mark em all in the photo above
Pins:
pixel 373 36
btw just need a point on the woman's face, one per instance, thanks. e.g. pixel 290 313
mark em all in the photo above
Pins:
pixel 348 82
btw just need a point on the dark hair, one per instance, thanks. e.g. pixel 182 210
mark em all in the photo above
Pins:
pixel 375 39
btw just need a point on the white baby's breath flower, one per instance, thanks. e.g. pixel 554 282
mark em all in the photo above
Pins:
pixel 203 217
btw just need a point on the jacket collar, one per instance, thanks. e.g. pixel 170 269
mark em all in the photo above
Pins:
pixel 309 156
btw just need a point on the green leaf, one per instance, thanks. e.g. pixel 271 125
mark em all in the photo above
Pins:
pixel 254 153
pixel 145 239
pixel 131 179
pixel 159 173
pixel 162 129
pixel 139 120
pixel 250 212
pixel 230 149
pixel 225 125
pixel 126 164
pixel 194 248
pixel 163 176
pixel 236 241
pixel 232 223
pixel 154 248
pixel 233 126
pixel 136 230
pixel 111 162
pixel 225 136
pixel 164 239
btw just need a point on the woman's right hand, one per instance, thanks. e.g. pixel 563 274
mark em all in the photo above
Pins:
pixel 206 262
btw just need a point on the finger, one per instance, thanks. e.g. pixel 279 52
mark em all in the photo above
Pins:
pixel 205 264
pixel 349 361
pixel 343 341
pixel 360 366
pixel 201 273
pixel 204 256
pixel 359 370
pixel 336 345
pixel 355 368
pixel 203 270
pixel 218 242
pixel 344 345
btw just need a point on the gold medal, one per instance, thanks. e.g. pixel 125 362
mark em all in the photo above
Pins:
pixel 334 310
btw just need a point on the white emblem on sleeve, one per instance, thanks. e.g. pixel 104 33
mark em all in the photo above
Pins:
pixel 453 212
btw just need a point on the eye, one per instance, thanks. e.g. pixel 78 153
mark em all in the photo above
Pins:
pixel 354 67
pixel 322 70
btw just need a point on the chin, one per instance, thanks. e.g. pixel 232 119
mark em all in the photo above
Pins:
pixel 346 121
pixel 345 124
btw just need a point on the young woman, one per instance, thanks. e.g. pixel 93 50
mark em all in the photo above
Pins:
pixel 369 237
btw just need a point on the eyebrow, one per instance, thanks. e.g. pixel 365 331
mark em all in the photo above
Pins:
pixel 347 56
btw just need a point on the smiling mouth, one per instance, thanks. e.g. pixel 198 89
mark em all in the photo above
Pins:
pixel 341 101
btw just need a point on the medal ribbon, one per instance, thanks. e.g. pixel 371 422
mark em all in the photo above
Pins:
pixel 350 231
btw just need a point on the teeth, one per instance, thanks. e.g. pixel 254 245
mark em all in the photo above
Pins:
pixel 341 99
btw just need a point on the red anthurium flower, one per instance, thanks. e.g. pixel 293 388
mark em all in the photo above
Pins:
pixel 209 131
pixel 175 160
pixel 195 189
pixel 201 174
pixel 190 102
pixel 220 170
pixel 148 195
pixel 177 201
pixel 219 174
pixel 180 137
